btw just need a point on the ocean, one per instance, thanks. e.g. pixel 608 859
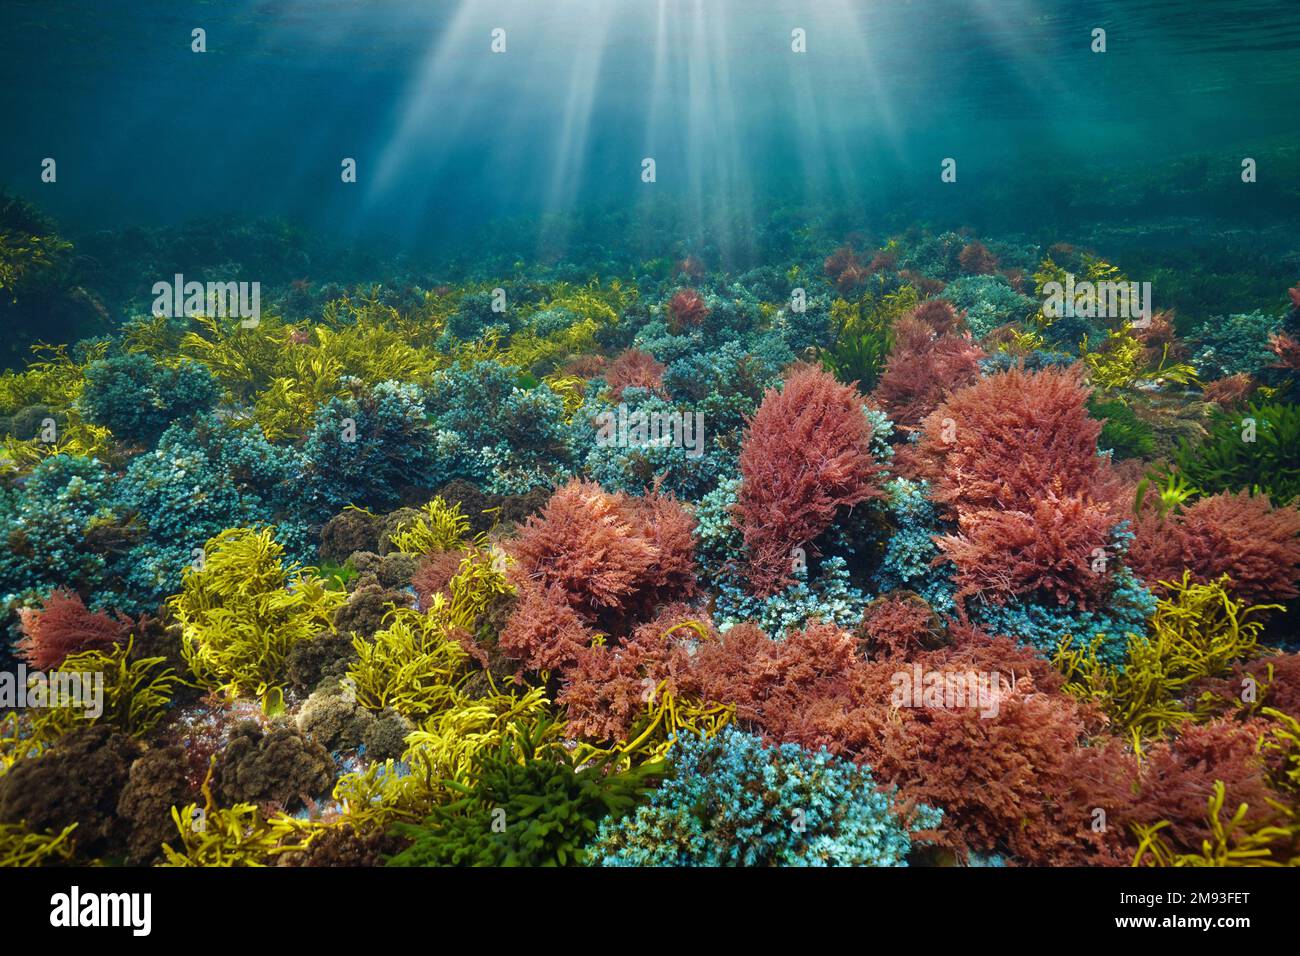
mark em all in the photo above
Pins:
pixel 691 433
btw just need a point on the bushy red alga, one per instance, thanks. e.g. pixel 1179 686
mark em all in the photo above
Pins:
pixel 806 458
pixel 1009 438
pixel 594 559
pixel 634 369
pixel 1241 535
pixel 65 626
pixel 924 365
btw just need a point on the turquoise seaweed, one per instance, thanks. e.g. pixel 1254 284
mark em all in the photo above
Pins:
pixel 733 801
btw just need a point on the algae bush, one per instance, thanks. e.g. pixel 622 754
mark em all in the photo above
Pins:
pixel 812 434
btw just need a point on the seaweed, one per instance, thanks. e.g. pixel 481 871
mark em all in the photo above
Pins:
pixel 1198 631
pixel 369 565
pixel 731 801
pixel 530 805
pixel 1257 449
pixel 1123 433
pixel 242 611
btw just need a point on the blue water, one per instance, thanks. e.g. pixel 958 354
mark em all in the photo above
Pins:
pixel 450 137
pixel 797 213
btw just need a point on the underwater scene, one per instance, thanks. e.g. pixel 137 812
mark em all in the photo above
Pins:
pixel 649 433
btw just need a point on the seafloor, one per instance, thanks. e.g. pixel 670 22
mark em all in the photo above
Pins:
pixel 858 553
